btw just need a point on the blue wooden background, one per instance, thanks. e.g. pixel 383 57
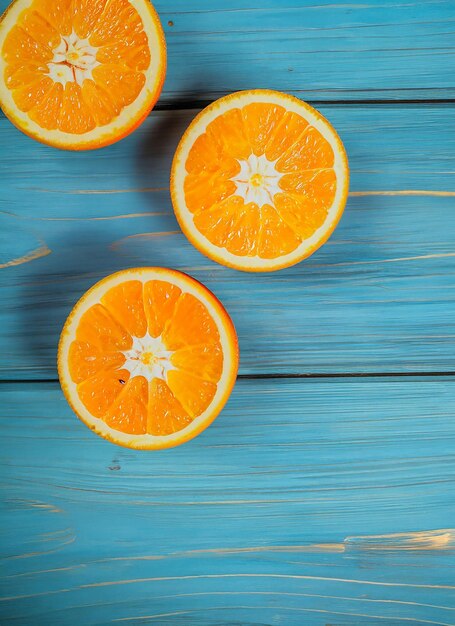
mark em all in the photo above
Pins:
pixel 324 493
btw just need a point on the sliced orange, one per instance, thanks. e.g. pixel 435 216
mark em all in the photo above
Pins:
pixel 148 358
pixel 80 74
pixel 259 180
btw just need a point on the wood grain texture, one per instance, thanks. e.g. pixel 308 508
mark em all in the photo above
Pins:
pixel 307 502
pixel 317 49
pixel 378 297
pixel 320 501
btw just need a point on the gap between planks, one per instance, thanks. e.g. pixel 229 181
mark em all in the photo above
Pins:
pixel 188 104
pixel 276 375
pixel 185 105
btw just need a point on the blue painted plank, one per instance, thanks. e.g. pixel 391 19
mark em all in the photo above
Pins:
pixel 320 50
pixel 306 502
pixel 377 297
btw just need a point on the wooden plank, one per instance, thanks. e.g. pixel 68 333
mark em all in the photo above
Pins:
pixel 306 502
pixel 378 297
pixel 320 50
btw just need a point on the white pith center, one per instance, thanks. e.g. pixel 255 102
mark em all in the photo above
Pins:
pixel 74 60
pixel 257 180
pixel 149 358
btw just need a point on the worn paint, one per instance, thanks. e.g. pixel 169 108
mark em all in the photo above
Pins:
pixel 421 540
pixel 285 608
pixel 33 504
pixel 38 253
pixel 402 192
pixel 126 216
pixel 144 236
pixel 99 191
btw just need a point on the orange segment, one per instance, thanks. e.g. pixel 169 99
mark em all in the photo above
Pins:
pixel 312 151
pixel 32 94
pixel 285 135
pixel 119 18
pixel 264 182
pixel 57 12
pixel 107 56
pixel 204 361
pixel 148 358
pixel 75 115
pixel 318 186
pixel 86 360
pixel 229 133
pixel 296 212
pixel 276 237
pixel 134 53
pixel 204 190
pixel 86 14
pixel 99 392
pixel 298 182
pixel 306 220
pixel 100 104
pixel 40 29
pixel 219 222
pixel 47 113
pixel 100 329
pixel 165 413
pixel 194 394
pixel 160 298
pixel 243 240
pixel 124 302
pixel 261 121
pixel 190 325
pixel 122 85
pixel 19 46
pixel 204 155
pixel 23 74
pixel 128 412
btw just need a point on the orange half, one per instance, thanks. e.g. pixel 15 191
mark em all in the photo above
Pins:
pixel 148 358
pixel 259 180
pixel 80 74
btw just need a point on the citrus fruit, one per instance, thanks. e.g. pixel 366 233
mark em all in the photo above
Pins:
pixel 147 358
pixel 259 180
pixel 80 74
